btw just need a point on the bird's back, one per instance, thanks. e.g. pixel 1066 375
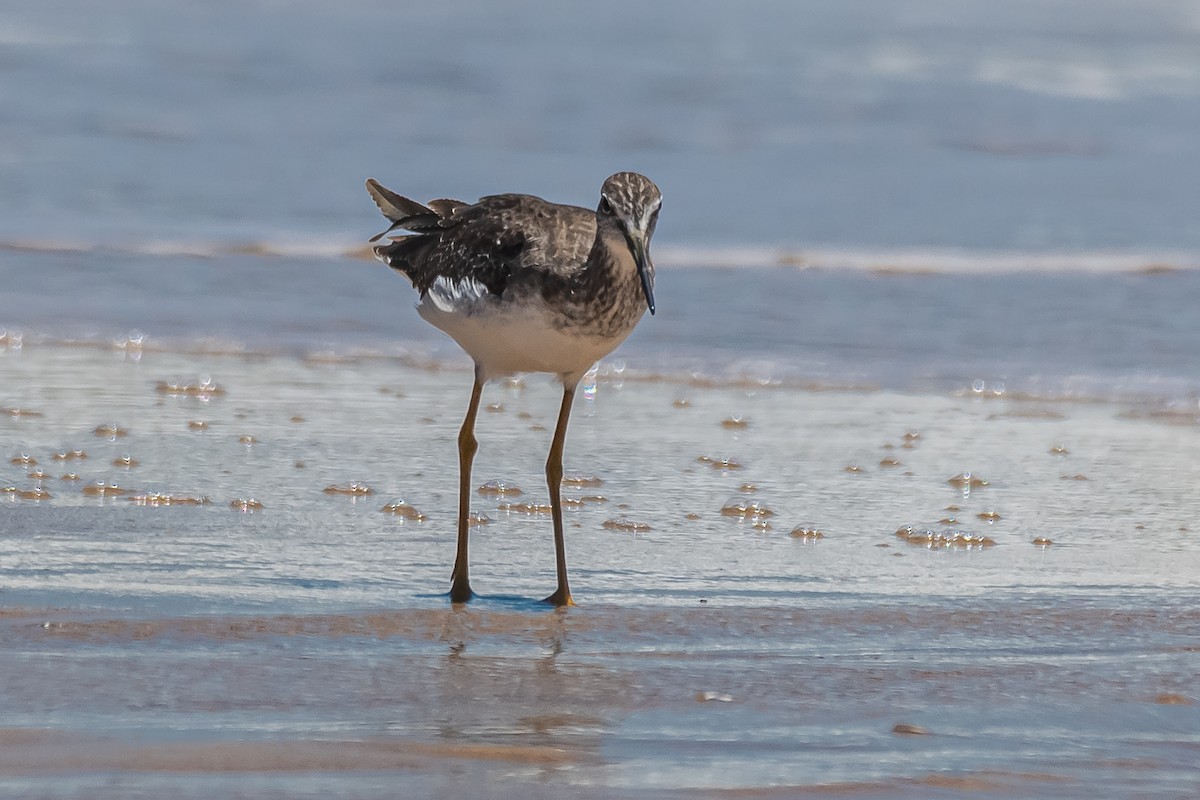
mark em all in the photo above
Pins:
pixel 493 242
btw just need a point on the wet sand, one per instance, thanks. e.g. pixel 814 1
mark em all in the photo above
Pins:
pixel 783 591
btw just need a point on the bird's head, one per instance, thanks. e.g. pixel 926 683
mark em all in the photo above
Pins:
pixel 629 202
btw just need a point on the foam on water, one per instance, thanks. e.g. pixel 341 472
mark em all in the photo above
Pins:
pixel 887 261
pixel 1076 335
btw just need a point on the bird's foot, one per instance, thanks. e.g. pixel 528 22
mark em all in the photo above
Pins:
pixel 460 592
pixel 560 598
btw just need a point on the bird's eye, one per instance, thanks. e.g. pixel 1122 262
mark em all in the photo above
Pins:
pixel 605 206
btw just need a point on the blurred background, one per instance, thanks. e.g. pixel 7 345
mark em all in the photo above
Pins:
pixel 998 195
pixel 1032 126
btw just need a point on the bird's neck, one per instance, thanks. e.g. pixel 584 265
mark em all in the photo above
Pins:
pixel 608 290
pixel 610 262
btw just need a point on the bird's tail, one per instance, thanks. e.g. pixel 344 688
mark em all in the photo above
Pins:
pixel 425 222
pixel 409 214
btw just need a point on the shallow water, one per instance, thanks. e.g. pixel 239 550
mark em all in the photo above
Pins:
pixel 610 702
pixel 1060 334
pixel 708 657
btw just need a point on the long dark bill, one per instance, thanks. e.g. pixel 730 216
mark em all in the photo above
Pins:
pixel 641 256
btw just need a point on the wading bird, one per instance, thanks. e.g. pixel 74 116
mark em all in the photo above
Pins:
pixel 524 285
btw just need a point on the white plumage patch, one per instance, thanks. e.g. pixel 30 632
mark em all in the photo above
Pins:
pixel 506 337
pixel 456 297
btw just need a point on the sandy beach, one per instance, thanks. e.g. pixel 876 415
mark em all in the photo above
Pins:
pixel 782 590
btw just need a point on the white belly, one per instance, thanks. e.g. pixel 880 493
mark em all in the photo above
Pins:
pixel 505 338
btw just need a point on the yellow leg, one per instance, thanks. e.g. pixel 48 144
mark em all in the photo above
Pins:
pixel 460 584
pixel 554 474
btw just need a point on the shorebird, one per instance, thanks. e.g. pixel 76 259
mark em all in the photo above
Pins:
pixel 524 285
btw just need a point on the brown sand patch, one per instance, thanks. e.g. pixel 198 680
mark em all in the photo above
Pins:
pixel 807 532
pixel 1027 413
pixel 47 752
pixel 355 489
pixel 1173 699
pixel 104 489
pixel 582 481
pixel 421 625
pixel 404 510
pixel 982 781
pixel 745 508
pixel 943 539
pixel 25 737
pixel 499 488
pixel 626 524
pixel 246 504
pixel 471 623
pixel 204 388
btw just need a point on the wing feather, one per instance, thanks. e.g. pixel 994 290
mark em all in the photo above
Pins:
pixel 461 246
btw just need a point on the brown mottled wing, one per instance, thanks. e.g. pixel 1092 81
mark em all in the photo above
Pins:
pixel 500 238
